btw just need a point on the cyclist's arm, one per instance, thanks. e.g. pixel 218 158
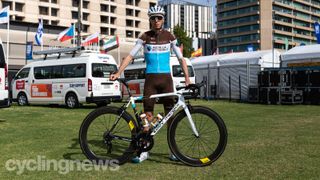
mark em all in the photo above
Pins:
pixel 182 61
pixel 128 59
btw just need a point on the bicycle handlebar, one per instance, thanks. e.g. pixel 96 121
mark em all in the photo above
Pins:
pixel 194 88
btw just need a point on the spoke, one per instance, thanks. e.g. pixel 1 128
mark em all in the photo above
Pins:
pixel 213 150
pixel 204 150
pixel 184 139
pixel 186 145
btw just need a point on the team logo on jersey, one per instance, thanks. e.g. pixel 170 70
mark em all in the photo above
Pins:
pixel 158 48
pixel 149 47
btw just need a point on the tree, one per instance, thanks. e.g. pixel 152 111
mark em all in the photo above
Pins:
pixel 182 38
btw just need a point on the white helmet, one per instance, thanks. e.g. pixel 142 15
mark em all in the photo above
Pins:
pixel 156 10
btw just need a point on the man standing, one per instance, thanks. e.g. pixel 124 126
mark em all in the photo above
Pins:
pixel 157 44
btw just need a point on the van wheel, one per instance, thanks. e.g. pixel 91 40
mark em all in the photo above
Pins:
pixel 72 101
pixel 22 99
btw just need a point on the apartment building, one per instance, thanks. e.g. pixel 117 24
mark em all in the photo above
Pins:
pixel 265 24
pixel 125 18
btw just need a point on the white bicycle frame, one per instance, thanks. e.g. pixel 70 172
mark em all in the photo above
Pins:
pixel 180 103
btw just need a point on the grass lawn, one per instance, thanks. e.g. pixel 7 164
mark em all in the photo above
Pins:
pixel 264 142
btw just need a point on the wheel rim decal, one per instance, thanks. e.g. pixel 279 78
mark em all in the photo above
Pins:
pixel 131 125
pixel 205 160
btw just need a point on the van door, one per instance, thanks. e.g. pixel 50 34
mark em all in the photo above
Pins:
pixel 101 86
pixel 21 83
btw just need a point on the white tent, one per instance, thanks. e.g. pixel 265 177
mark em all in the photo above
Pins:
pixel 235 71
pixel 301 54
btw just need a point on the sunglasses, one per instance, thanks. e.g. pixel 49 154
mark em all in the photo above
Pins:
pixel 159 18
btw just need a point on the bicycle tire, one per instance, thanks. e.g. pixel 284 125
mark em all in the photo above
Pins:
pixel 88 149
pixel 214 153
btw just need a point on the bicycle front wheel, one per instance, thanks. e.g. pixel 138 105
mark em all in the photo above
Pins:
pixel 204 149
pixel 107 137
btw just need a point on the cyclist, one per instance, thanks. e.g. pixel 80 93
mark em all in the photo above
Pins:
pixel 157 44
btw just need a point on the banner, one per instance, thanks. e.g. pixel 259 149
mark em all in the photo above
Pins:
pixel 317 31
pixel 29 50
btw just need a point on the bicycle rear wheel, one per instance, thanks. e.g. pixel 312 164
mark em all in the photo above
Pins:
pixel 202 150
pixel 105 137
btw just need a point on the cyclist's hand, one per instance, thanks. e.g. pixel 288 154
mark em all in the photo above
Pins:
pixel 114 77
pixel 188 82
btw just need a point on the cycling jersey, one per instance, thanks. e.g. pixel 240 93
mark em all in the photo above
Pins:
pixel 157 48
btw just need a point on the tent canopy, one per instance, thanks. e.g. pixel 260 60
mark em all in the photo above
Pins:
pixel 262 58
pixel 302 53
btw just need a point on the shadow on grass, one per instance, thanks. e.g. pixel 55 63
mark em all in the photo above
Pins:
pixel 164 159
pixel 2 121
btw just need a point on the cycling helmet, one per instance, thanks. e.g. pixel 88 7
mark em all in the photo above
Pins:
pixel 156 11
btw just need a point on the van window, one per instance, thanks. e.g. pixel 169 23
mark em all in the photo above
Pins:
pixel 2 57
pixel 135 74
pixel 100 70
pixel 74 71
pixel 42 72
pixel 57 72
pixel 24 73
pixel 177 71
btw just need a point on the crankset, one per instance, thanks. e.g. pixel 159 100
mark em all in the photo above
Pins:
pixel 144 142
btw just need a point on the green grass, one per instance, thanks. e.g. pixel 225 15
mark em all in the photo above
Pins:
pixel 265 142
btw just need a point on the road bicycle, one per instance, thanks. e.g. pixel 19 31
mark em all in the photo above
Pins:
pixel 197 135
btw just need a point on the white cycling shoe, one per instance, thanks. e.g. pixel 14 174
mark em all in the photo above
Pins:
pixel 143 156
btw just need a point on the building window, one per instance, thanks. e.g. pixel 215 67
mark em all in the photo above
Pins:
pixel 54 12
pixel 113 31
pixel 85 28
pixel 137 2
pixel 5 4
pixel 45 21
pixel 74 15
pixel 85 4
pixel 54 1
pixel 75 3
pixel 85 16
pixel 129 33
pixel 43 10
pixel 54 23
pixel 112 20
pixel 104 19
pixel 129 22
pixel 44 0
pixel 137 33
pixel 113 9
pixel 129 2
pixel 137 24
pixel 104 30
pixel 104 8
pixel 19 7
pixel 137 13
pixel 152 4
pixel 19 18
pixel 129 12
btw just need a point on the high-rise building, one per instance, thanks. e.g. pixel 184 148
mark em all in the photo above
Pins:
pixel 265 24
pixel 125 18
pixel 194 18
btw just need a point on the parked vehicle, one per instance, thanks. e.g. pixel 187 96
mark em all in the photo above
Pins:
pixel 4 86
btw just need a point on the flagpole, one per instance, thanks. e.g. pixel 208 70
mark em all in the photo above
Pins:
pixel 8 38
pixel 74 36
pixel 42 35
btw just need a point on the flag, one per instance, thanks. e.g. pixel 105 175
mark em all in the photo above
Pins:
pixel 4 15
pixel 216 52
pixel 111 43
pixel 317 31
pixel 197 53
pixel 39 33
pixel 93 38
pixel 66 34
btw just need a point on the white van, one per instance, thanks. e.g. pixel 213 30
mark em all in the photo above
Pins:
pixel 4 86
pixel 67 80
pixel 136 73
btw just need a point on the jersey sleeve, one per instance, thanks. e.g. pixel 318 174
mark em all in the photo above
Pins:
pixel 176 49
pixel 138 46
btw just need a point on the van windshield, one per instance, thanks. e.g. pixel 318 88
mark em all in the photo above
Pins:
pixel 101 70
pixel 177 71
